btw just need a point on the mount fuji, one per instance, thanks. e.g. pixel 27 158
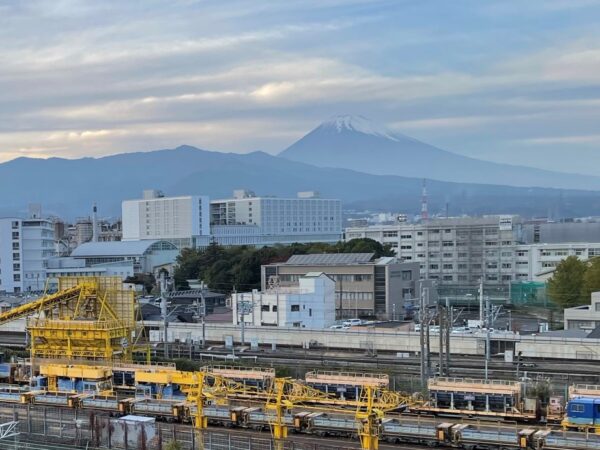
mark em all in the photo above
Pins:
pixel 356 143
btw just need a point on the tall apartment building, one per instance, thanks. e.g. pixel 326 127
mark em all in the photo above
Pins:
pixel 458 251
pixel 183 221
pixel 247 219
pixel 26 245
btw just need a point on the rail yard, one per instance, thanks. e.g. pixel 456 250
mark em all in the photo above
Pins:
pixel 88 361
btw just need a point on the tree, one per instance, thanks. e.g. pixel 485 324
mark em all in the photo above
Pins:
pixel 147 280
pixel 565 286
pixel 591 280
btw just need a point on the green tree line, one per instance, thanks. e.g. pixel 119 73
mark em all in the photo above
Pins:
pixel 226 268
pixel 574 281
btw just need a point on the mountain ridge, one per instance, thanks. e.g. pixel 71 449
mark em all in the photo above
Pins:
pixel 345 142
pixel 68 187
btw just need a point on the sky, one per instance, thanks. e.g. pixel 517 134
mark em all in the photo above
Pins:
pixel 507 81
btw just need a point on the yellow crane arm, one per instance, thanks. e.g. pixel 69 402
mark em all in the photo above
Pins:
pixel 41 304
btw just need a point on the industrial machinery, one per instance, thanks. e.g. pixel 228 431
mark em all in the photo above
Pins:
pixel 87 318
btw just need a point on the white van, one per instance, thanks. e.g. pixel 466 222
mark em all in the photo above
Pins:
pixel 352 322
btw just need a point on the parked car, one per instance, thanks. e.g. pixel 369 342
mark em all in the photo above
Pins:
pixel 352 322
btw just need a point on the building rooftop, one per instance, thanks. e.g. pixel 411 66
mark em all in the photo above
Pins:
pixel 120 248
pixel 329 259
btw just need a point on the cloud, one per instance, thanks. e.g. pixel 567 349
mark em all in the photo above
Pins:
pixel 561 140
pixel 90 78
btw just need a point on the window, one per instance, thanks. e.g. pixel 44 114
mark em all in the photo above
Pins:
pixel 462 267
pixel 406 275
pixel 309 312
pixel 447 278
pixel 406 247
pixel 447 255
pixel 406 236
pixel 506 265
pixel 274 308
pixel 522 253
pixel 390 234
pixel 577 408
pixel 434 266
pixel 295 308
pixel 448 244
pixel 419 233
pixel 447 266
pixel 15 246
pixel 447 230
pixel 16 267
pixel 17 277
pixel 15 235
pixel 264 308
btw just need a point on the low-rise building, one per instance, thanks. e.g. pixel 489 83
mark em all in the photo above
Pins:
pixel 310 304
pixel 123 258
pixel 365 286
pixel 585 317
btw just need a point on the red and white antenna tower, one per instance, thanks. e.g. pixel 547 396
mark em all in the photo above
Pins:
pixel 424 211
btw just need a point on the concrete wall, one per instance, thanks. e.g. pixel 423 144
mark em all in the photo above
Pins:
pixel 386 340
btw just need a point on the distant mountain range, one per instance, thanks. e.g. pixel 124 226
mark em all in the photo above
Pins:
pixel 354 142
pixel 69 187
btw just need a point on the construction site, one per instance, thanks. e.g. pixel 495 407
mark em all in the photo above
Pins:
pixel 90 382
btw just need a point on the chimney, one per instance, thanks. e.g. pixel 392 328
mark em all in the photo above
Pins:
pixel 95 223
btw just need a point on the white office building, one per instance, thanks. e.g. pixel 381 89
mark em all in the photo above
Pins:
pixel 247 219
pixel 183 220
pixel 311 304
pixel 536 262
pixel 26 245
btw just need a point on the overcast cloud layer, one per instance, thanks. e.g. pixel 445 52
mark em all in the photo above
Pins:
pixel 510 81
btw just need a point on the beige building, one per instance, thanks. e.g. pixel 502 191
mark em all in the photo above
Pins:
pixel 586 317
pixel 365 287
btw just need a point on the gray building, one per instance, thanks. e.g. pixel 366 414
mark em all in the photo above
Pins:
pixel 560 232
pixel 454 251
pixel 365 286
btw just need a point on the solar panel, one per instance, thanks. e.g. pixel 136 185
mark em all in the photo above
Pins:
pixel 329 259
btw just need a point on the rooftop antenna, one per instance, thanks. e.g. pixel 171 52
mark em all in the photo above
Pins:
pixel 424 210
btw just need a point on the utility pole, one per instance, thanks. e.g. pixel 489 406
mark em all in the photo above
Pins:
pixel 427 334
pixel 449 325
pixel 442 323
pixel 202 312
pixel 487 337
pixel 481 303
pixel 163 307
pixel 422 336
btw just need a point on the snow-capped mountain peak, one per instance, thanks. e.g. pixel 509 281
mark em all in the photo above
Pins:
pixel 360 124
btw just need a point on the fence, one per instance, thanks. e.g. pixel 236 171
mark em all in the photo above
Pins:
pixel 54 428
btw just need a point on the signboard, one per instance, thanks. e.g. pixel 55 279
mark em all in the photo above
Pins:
pixel 229 342
pixel 505 223
pixel 470 397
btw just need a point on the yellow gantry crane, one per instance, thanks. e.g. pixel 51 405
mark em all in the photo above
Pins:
pixel 87 318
